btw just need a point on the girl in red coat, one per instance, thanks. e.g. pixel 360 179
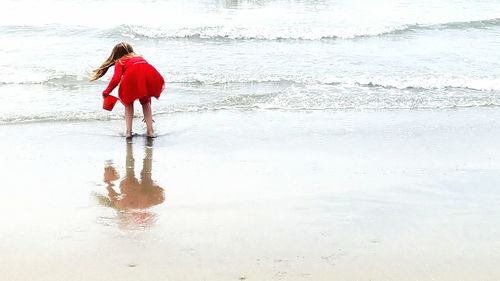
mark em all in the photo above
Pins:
pixel 138 81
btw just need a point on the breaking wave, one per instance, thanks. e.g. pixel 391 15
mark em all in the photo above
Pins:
pixel 226 32
pixel 289 98
pixel 415 82
pixel 291 33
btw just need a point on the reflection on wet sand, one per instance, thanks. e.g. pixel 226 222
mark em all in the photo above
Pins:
pixel 132 197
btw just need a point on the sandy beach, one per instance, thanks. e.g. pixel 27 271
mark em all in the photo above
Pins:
pixel 296 140
pixel 255 195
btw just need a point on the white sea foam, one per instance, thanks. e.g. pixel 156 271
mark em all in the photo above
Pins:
pixel 401 82
pixel 319 31
pixel 422 82
pixel 293 32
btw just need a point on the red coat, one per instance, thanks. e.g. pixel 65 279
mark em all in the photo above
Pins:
pixel 137 79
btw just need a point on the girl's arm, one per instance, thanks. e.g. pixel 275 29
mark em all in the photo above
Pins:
pixel 117 76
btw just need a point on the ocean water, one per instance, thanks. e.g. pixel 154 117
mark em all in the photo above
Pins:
pixel 252 55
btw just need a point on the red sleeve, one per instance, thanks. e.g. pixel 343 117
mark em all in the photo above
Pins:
pixel 117 76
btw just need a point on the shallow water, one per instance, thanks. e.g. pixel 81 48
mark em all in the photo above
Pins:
pixel 218 55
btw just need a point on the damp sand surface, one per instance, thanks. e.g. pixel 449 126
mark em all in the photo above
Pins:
pixel 255 195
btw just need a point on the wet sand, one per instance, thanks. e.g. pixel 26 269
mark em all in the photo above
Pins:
pixel 261 195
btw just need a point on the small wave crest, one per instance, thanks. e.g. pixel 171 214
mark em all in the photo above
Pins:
pixel 323 31
pixel 291 98
pixel 222 33
pixel 388 82
pixel 290 33
pixel 66 116
pixel 413 82
pixel 44 78
pixel 294 102
pixel 427 83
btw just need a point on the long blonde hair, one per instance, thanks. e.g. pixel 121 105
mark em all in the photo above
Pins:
pixel 120 50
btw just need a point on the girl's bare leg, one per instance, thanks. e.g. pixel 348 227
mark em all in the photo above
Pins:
pixel 148 118
pixel 129 116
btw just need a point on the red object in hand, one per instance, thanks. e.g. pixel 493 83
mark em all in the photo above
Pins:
pixel 109 102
